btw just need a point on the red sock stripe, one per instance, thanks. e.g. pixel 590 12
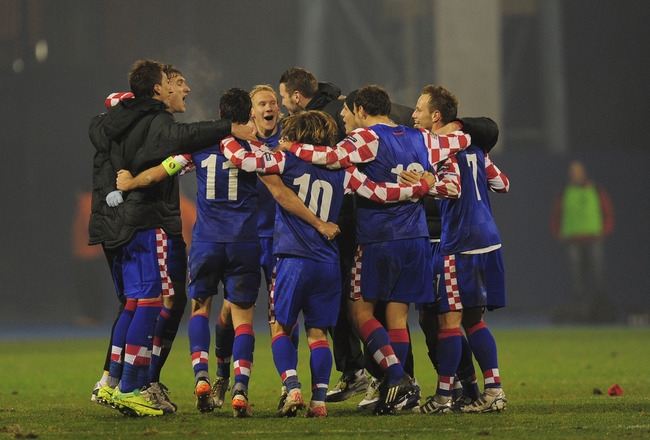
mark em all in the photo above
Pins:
pixel 244 329
pixel 154 303
pixel 399 335
pixel 475 328
pixel 205 315
pixel 164 312
pixel 317 344
pixel 131 304
pixel 449 332
pixel 368 327
pixel 275 338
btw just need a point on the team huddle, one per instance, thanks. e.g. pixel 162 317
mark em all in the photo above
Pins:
pixel 351 207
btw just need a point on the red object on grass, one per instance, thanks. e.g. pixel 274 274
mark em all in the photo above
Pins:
pixel 615 390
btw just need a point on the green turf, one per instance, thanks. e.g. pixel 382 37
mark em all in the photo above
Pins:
pixel 549 376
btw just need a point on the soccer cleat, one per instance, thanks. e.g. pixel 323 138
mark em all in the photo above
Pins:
pixel 292 403
pixel 102 394
pixel 137 403
pixel 410 400
pixel 493 399
pixel 219 388
pixel 160 395
pixel 437 405
pixel 283 398
pixel 390 395
pixel 203 396
pixel 317 412
pixel 240 407
pixel 372 395
pixel 349 385
pixel 458 402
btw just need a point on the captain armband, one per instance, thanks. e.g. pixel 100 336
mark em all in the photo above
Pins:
pixel 171 165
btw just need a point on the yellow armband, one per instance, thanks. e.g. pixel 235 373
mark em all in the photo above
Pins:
pixel 171 166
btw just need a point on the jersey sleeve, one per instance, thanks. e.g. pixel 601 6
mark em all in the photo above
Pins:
pixel 497 181
pixel 448 185
pixel 359 146
pixel 442 146
pixel 259 159
pixel 356 181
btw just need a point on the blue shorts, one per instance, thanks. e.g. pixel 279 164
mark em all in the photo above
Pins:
pixel 235 265
pixel 394 271
pixel 435 249
pixel 177 260
pixel 471 280
pixel 313 287
pixel 144 265
pixel 114 260
pixel 267 259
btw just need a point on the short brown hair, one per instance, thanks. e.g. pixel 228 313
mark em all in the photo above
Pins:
pixel 143 77
pixel 297 78
pixel 442 100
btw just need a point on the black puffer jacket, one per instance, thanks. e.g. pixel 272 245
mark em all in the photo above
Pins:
pixel 142 133
pixel 104 222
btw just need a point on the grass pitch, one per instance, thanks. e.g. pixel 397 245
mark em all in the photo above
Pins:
pixel 552 379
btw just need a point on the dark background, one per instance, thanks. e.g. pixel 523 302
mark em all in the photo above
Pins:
pixel 46 106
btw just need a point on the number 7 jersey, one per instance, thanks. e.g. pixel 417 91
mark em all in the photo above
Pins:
pixel 467 222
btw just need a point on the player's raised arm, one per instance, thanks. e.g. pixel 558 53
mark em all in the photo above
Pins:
pixel 359 146
pixel 260 159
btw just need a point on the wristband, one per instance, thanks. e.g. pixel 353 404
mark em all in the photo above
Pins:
pixel 171 166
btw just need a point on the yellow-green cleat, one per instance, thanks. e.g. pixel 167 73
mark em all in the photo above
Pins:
pixel 137 403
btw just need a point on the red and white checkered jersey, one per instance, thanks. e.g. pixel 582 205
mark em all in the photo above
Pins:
pixel 260 159
pixel 356 181
pixel 359 146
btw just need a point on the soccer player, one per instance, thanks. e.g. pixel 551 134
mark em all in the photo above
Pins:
pixel 142 133
pixel 470 265
pixel 225 249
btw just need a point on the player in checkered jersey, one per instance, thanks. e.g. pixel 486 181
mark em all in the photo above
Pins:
pixel 308 272
pixel 470 265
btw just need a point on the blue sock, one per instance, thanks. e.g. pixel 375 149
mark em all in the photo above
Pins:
pixel 139 342
pixel 320 364
pixel 399 340
pixel 119 340
pixel 199 335
pixel 243 348
pixel 378 342
pixel 286 360
pixel 484 348
pixel 450 348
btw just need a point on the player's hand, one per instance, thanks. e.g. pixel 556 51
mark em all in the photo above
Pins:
pixel 114 198
pixel 409 177
pixel 245 132
pixel 283 145
pixel 430 178
pixel 123 180
pixel 329 229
